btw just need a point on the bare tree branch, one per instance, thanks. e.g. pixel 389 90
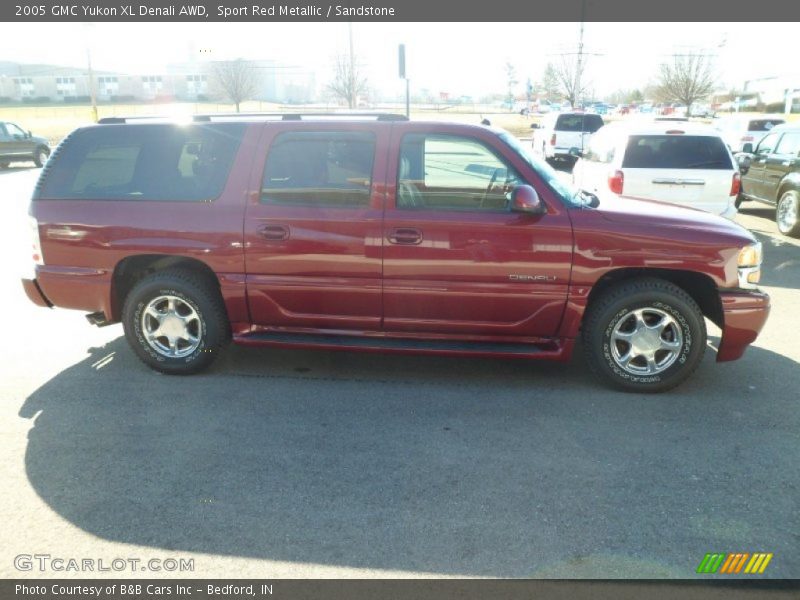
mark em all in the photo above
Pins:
pixel 348 81
pixel 237 79
pixel 570 75
pixel 688 79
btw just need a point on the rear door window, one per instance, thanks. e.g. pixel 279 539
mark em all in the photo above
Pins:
pixel 144 162
pixel 763 124
pixel 676 152
pixel 309 168
pixel 579 123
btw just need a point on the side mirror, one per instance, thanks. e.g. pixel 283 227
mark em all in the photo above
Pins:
pixel 575 152
pixel 28 135
pixel 747 147
pixel 524 199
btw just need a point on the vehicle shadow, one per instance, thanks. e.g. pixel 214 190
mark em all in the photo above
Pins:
pixel 781 253
pixel 441 465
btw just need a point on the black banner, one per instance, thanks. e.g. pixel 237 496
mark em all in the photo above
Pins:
pixel 325 589
pixel 399 10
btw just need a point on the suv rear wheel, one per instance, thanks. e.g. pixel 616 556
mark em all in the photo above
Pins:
pixel 787 213
pixel 175 322
pixel 645 335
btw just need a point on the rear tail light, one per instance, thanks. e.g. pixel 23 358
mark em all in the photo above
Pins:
pixel 736 184
pixel 616 182
pixel 36 246
pixel 553 140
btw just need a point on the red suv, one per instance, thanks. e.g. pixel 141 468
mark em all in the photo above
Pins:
pixel 379 234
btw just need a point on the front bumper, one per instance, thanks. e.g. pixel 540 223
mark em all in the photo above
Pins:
pixel 744 315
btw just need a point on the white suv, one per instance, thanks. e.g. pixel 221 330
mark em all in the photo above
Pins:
pixel 679 163
pixel 561 132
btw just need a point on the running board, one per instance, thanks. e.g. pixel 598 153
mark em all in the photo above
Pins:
pixel 554 349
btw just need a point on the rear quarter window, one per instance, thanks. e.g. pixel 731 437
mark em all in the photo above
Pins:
pixel 676 152
pixel 579 123
pixel 143 162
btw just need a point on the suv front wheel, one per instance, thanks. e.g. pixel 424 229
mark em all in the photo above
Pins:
pixel 645 335
pixel 175 322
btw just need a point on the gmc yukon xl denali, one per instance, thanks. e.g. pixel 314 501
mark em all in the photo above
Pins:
pixel 375 233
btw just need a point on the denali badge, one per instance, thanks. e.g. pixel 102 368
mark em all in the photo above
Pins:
pixel 514 277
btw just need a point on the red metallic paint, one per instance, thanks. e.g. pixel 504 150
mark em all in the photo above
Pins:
pixel 338 271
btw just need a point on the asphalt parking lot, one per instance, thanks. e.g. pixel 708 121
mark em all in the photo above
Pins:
pixel 319 464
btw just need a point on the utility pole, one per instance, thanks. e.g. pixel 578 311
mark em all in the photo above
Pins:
pixel 352 78
pixel 92 91
pixel 579 61
pixel 401 61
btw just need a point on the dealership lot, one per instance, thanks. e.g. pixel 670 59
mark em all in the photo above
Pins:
pixel 305 464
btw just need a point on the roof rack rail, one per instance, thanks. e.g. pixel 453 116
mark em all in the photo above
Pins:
pixel 277 116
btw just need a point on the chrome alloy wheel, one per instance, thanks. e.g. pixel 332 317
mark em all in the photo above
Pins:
pixel 787 212
pixel 646 341
pixel 171 326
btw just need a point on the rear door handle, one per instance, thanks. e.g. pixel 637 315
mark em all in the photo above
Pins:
pixel 405 235
pixel 274 232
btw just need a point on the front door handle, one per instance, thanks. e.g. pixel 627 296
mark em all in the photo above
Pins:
pixel 274 232
pixel 405 235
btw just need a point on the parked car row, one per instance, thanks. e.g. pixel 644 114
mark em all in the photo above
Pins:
pixel 672 159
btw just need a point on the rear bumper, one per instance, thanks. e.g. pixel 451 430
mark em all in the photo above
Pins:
pixel 744 315
pixel 35 294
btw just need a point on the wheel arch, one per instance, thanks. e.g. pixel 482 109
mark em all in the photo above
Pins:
pixel 700 287
pixel 130 270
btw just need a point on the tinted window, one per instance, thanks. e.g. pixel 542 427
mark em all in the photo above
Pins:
pixel 452 173
pixel 676 152
pixel 587 123
pixel 319 168
pixel 789 144
pixel 144 162
pixel 763 124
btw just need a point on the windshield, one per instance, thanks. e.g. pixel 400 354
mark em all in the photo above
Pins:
pixel 564 189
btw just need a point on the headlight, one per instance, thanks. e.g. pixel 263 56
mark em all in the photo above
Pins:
pixel 749 265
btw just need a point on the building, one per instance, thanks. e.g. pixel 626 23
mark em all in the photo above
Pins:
pixel 186 82
pixel 780 89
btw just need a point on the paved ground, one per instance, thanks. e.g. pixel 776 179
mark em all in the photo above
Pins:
pixel 305 464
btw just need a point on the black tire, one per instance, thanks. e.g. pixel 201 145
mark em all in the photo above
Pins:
pixel 210 322
pixel 612 315
pixel 787 213
pixel 41 155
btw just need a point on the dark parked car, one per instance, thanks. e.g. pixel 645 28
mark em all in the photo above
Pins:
pixel 771 174
pixel 16 144
pixel 378 234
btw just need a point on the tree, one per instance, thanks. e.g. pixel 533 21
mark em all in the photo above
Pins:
pixel 348 81
pixel 237 79
pixel 570 72
pixel 549 84
pixel 687 79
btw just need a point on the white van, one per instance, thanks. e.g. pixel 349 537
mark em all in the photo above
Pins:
pixel 679 163
pixel 559 132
